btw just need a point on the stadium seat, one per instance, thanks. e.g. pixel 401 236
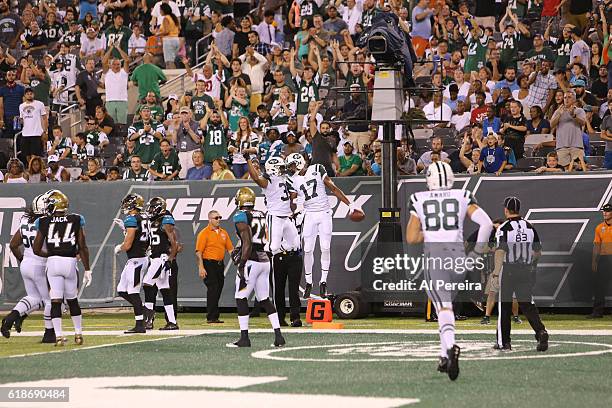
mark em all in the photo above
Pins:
pixel 529 163
pixel 595 161
pixel 74 172
pixel 598 148
pixel 422 133
pixel 6 147
pixel 120 130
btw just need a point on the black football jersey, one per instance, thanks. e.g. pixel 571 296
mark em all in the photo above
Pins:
pixel 259 232
pixel 141 240
pixel 160 243
pixel 60 233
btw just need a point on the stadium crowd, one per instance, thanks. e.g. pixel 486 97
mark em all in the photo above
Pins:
pixel 523 85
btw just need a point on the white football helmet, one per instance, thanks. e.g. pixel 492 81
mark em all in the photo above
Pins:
pixel 297 159
pixel 275 166
pixel 439 176
pixel 38 204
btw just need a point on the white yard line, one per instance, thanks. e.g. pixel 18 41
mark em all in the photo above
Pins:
pixel 197 332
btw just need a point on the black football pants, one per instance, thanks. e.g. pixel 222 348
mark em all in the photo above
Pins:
pixel 287 267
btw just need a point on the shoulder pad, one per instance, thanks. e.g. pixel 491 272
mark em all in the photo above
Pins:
pixel 167 219
pixel 130 222
pixel 239 217
pixel 81 220
pixel 37 224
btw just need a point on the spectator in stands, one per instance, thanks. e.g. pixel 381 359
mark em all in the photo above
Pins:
pixel 35 123
pixel 509 81
pixel 490 120
pixel 580 52
pixel 334 24
pixel 148 77
pixel 437 110
pixel 323 152
pixel 282 109
pixel 356 109
pixel 147 133
pixel 221 171
pixel 552 164
pixel 350 163
pixel 81 150
pixel 197 170
pixel 492 157
pixel 15 172
pixel 568 119
pixel 606 135
pixel 537 124
pixel 254 65
pixel 188 139
pixel 113 174
pixel 237 106
pixel 436 147
pixel 94 136
pixel 35 41
pixel 55 172
pixel 12 27
pixel 165 165
pixel 479 112
pixel 421 26
pixel 137 42
pixel 582 95
pixel 460 119
pixel 136 172
pixel 36 170
pixel 60 144
pixel 266 29
pixel 86 88
pixel 169 33
pixel 243 143
pixel 116 83
pixel 37 78
pixel 599 87
pixel 104 122
pixel 93 172
pixel 469 156
pixel 514 129
pixel 405 164
pixel 123 159
pixel 11 96
pixel 92 46
pixel 542 85
pixel 157 111
pixel 215 139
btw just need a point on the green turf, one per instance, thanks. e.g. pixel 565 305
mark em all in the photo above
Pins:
pixel 548 382
pixel 117 321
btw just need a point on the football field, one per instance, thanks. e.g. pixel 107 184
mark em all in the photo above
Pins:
pixel 376 362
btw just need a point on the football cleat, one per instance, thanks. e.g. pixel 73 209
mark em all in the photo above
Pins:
pixel 323 289
pixel 307 290
pixel 442 364
pixel 138 328
pixel 49 336
pixel 505 347
pixel 296 323
pixel 5 329
pixel 279 340
pixel 78 339
pixel 485 320
pixel 60 342
pixel 517 320
pixel 149 318
pixel 243 342
pixel 283 323
pixel 452 368
pixel 542 338
pixel 169 326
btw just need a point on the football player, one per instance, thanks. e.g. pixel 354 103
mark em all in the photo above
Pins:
pixel 279 195
pixel 317 219
pixel 63 234
pixel 253 264
pixel 164 247
pixel 437 216
pixel 135 244
pixel 32 269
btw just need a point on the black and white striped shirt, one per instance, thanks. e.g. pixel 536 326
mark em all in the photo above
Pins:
pixel 519 240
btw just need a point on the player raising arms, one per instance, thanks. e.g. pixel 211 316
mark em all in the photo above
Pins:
pixel 63 234
pixel 317 220
pixel 253 267
pixel 164 247
pixel 135 244
pixel 32 269
pixel 279 195
pixel 437 216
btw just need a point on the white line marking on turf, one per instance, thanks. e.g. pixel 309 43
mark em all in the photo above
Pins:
pixel 61 350
pixel 197 332
pixel 267 354
pixel 110 391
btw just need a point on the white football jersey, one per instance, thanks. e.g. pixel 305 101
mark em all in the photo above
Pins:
pixel 276 195
pixel 28 234
pixel 313 189
pixel 297 180
pixel 442 213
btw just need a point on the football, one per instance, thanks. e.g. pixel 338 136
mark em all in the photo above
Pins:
pixel 357 215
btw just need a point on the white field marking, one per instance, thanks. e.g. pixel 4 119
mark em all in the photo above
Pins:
pixel 61 350
pixel 267 354
pixel 197 332
pixel 108 391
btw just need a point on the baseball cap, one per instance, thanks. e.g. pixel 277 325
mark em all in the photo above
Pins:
pixel 91 30
pixel 173 96
pixel 53 158
pixel 607 207
pixel 355 86
pixel 200 77
pixel 348 142
pixel 144 107
pixel 188 93
pixel 512 204
pixel 578 83
pixel 185 109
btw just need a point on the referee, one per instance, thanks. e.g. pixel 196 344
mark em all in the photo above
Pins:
pixel 516 258
pixel 602 261
pixel 211 244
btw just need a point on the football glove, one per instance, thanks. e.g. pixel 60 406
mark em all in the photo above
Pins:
pixel 118 248
pixel 243 282
pixel 236 255
pixel 87 278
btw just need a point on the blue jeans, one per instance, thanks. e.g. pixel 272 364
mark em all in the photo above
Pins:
pixel 608 160
pixel 239 170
